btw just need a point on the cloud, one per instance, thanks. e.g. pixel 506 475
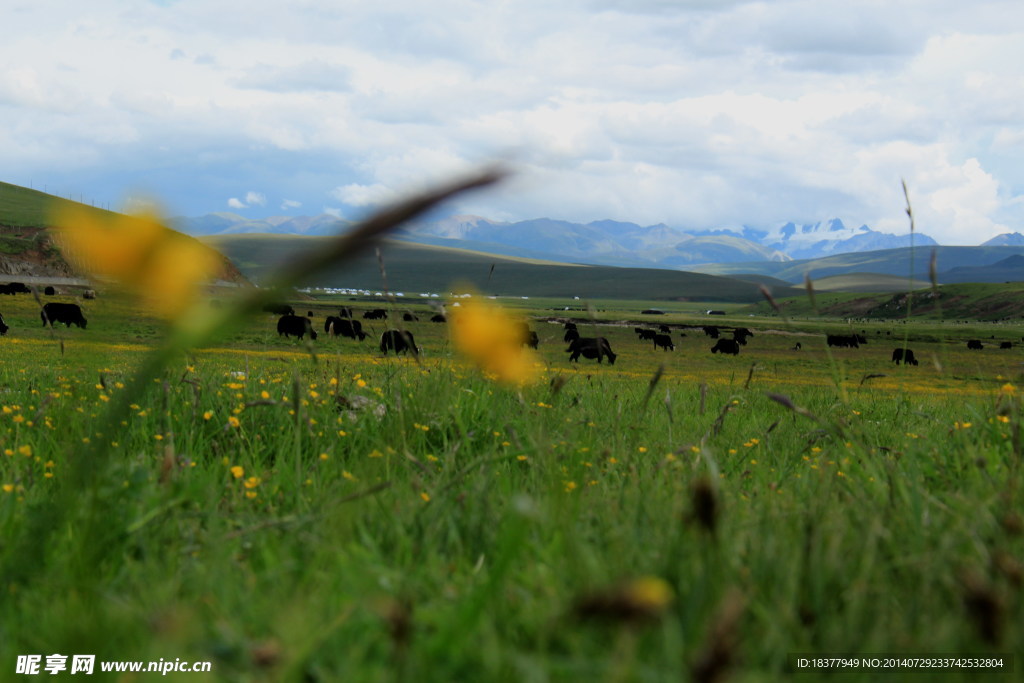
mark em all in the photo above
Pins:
pixel 304 77
pixel 251 199
pixel 355 194
pixel 289 204
pixel 698 114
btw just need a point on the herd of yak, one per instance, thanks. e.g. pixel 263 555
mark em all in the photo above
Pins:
pixel 727 340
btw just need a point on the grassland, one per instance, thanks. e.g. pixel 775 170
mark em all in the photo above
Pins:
pixel 318 512
pixel 957 302
pixel 421 268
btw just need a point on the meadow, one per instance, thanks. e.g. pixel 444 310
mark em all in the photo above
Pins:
pixel 317 511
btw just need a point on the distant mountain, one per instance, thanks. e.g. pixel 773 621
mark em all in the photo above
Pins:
pixel 604 242
pixel 814 240
pixel 226 223
pixel 1007 239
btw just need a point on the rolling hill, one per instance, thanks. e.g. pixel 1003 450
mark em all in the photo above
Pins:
pixel 26 247
pixel 894 262
pixel 414 267
pixel 966 301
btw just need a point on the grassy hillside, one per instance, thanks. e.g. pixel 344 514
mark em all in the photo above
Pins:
pixel 973 301
pixel 420 268
pixel 865 282
pixel 886 261
pixel 25 244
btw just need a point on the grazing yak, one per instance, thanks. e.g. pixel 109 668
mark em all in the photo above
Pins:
pixel 906 356
pixel 711 331
pixel 591 347
pixel 740 334
pixel 409 318
pixel 376 314
pixel 646 335
pixel 664 328
pixel 664 341
pixel 1006 345
pixel 3 326
pixel 295 325
pixel 844 341
pixel 399 341
pixel 571 335
pixel 279 309
pixel 975 344
pixel 797 346
pixel 14 288
pixel 49 291
pixel 571 326
pixel 726 346
pixel 438 318
pixel 344 327
pixel 345 312
pixel 527 337
pixel 69 314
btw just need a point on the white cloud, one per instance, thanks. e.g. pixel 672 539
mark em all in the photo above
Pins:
pixel 289 204
pixel 697 114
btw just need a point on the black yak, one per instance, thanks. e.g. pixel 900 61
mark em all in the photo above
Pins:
pixel 591 347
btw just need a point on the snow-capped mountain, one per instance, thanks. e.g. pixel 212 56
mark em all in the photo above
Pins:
pixel 604 242
pixel 813 240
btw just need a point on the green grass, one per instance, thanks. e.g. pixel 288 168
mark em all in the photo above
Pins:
pixel 24 207
pixel 413 521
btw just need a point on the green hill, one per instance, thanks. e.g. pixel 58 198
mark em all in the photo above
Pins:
pixel 865 282
pixel 895 262
pixel 26 246
pixel 414 267
pixel 973 301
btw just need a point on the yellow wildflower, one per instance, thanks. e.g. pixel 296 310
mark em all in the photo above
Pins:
pixel 252 482
pixel 238 471
pixel 649 593
pixel 163 266
pixel 233 421
pixel 494 341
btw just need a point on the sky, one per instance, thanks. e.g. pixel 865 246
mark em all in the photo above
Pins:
pixel 699 114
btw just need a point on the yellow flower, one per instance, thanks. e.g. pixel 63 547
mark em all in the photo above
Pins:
pixel 650 593
pixel 8 488
pixel 252 482
pixel 238 471
pixel 425 496
pixel 208 414
pixel 164 267
pixel 494 341
pixel 233 421
pixel 26 451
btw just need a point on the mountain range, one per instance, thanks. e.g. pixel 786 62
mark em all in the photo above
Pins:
pixel 604 242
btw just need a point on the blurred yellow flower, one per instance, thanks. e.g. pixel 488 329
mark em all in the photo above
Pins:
pixel 650 593
pixel 160 265
pixel 494 340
